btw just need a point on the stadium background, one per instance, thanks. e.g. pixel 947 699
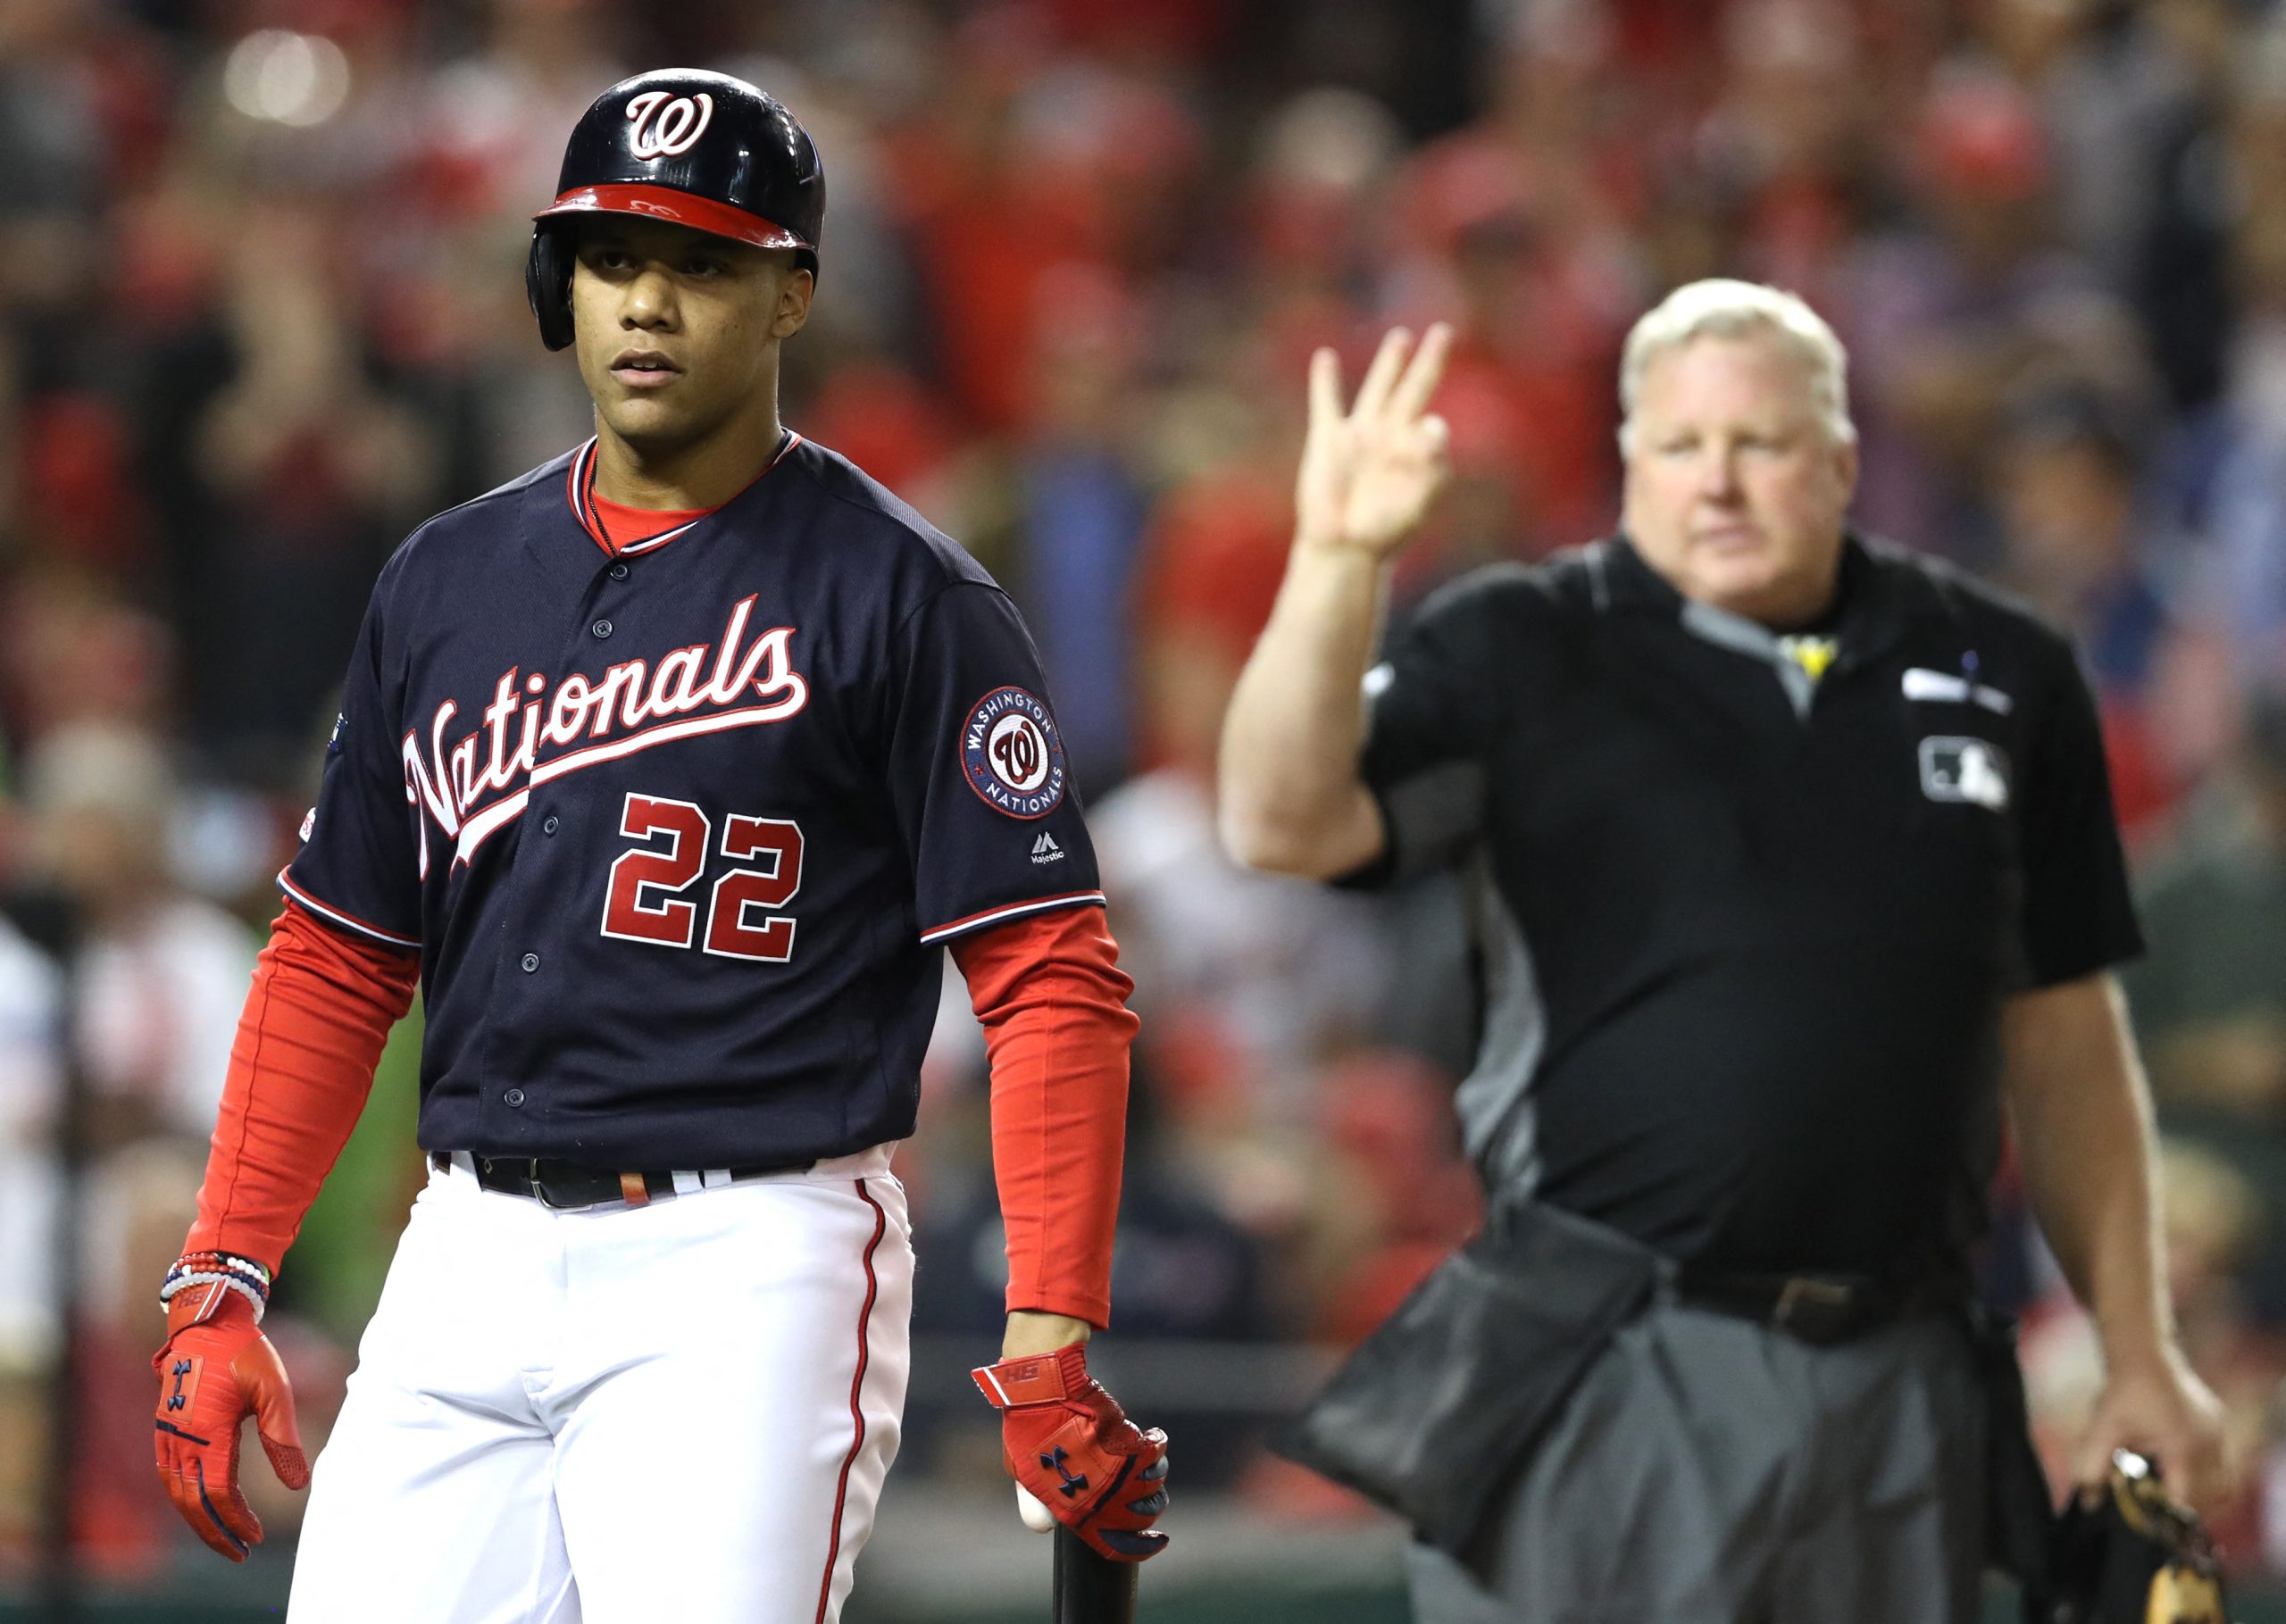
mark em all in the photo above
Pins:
pixel 261 310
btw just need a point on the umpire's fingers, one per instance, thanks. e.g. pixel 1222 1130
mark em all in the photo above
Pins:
pixel 1325 391
pixel 1420 379
pixel 1382 377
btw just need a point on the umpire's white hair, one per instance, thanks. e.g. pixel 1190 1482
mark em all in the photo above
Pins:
pixel 1722 308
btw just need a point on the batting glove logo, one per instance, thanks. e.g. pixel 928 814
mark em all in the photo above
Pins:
pixel 1073 1482
pixel 1013 756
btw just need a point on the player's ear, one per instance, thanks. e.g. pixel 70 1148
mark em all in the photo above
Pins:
pixel 793 303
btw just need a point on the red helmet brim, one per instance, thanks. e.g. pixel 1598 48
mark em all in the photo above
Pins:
pixel 664 203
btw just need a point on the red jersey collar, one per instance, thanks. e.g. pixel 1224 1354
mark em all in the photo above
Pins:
pixel 621 530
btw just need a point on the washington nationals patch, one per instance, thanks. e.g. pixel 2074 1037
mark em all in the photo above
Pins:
pixel 1012 754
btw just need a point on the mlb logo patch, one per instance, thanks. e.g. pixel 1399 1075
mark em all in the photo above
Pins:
pixel 1012 754
pixel 1974 771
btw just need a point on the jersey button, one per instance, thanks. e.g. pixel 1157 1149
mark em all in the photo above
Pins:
pixel 602 629
pixel 551 825
pixel 619 572
pixel 514 1096
pixel 532 963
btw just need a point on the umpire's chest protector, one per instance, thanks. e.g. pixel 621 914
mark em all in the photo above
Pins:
pixel 677 827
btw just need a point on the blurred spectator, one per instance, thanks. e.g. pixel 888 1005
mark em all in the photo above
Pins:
pixel 307 470
pixel 2209 1000
pixel 1259 976
pixel 2179 282
pixel 2109 94
pixel 30 1084
pixel 2230 466
pixel 159 974
pixel 2064 489
pixel 1081 512
pixel 1944 317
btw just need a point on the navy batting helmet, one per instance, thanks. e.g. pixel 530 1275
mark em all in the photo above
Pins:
pixel 696 149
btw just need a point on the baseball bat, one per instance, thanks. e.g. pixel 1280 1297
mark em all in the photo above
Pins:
pixel 1091 1589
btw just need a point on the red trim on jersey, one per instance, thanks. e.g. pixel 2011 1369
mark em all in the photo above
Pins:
pixel 629 525
pixel 677 208
pixel 315 1018
pixel 620 530
pixel 1052 1001
pixel 295 893
pixel 857 1410
pixel 1007 912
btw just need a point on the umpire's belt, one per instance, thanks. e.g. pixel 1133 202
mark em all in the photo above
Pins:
pixel 569 1185
pixel 1818 1309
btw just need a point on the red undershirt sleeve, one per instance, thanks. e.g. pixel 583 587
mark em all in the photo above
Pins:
pixel 315 1018
pixel 1053 1002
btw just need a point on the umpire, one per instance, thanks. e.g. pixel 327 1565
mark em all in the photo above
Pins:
pixel 1790 857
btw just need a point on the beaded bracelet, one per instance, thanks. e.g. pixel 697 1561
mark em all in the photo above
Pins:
pixel 243 1275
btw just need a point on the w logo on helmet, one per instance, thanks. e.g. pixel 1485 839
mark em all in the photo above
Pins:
pixel 665 126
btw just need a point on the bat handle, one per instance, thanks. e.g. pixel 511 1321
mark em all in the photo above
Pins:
pixel 1090 1588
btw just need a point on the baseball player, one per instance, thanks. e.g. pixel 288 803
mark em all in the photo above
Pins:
pixel 665 770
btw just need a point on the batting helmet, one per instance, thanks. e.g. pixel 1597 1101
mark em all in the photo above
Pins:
pixel 696 149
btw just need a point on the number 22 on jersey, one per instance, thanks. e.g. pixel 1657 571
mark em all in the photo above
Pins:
pixel 646 901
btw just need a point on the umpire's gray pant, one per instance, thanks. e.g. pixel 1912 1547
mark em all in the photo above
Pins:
pixel 1711 1471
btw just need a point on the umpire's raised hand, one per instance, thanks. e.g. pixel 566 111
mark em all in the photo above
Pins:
pixel 1291 799
pixel 1369 474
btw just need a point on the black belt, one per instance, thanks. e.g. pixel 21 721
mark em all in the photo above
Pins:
pixel 1817 1309
pixel 569 1185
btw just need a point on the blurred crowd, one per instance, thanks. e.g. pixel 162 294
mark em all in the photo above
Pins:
pixel 262 311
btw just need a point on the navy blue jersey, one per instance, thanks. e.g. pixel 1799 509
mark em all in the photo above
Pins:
pixel 677 832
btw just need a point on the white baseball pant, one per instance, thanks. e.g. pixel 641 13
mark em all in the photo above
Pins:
pixel 679 1410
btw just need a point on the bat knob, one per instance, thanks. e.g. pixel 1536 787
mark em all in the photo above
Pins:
pixel 1036 1517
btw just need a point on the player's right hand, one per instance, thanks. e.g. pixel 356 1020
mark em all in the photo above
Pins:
pixel 1369 474
pixel 215 1368
pixel 1070 1446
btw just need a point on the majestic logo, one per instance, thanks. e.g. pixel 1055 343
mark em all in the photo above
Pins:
pixel 632 706
pixel 665 127
pixel 1012 754
pixel 1970 769
pixel 1045 850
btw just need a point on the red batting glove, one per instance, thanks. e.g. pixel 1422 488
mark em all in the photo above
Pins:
pixel 1068 1444
pixel 216 1366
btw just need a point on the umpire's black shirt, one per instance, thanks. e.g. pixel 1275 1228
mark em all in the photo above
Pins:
pixel 1745 925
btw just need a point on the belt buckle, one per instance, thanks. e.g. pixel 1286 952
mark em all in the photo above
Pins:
pixel 1803 1292
pixel 539 1188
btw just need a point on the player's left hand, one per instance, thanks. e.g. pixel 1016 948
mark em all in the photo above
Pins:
pixel 2161 1410
pixel 216 1367
pixel 1070 1446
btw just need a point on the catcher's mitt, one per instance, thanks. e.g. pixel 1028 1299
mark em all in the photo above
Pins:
pixel 2136 1556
